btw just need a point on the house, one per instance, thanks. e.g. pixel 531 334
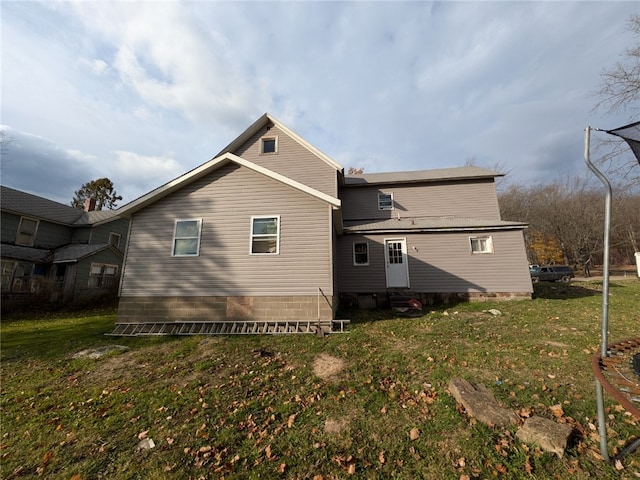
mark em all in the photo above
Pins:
pixel 58 254
pixel 271 229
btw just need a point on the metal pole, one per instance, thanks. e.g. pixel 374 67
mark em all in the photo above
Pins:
pixel 607 234
pixel 602 427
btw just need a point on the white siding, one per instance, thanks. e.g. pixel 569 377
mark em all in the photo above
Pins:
pixel 225 200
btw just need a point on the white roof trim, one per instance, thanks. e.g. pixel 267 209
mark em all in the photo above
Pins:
pixel 258 124
pixel 209 167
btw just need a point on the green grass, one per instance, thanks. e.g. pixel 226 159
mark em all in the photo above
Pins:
pixel 254 407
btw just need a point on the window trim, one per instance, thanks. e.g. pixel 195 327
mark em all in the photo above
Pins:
pixel 355 263
pixel 115 235
pixel 266 138
pixel 175 229
pixel 489 244
pixel 384 207
pixel 33 236
pixel 277 235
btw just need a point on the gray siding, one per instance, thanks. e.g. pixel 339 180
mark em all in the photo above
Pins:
pixel 49 235
pixel 440 263
pixel 100 234
pixel 469 198
pixel 225 200
pixel 292 160
pixel 81 290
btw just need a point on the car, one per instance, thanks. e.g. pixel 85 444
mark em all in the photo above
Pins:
pixel 551 273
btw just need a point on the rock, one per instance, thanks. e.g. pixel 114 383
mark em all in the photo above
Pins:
pixel 495 312
pixel 481 404
pixel 146 444
pixel 95 353
pixel 547 434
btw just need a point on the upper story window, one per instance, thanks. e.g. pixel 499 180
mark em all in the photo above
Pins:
pixel 481 244
pixel 186 237
pixel 265 235
pixel 269 145
pixel 385 201
pixel 114 239
pixel 361 253
pixel 27 232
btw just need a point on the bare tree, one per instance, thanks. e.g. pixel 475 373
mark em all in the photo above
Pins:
pixel 620 87
pixel 620 92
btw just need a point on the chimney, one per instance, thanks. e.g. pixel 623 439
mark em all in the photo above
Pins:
pixel 89 204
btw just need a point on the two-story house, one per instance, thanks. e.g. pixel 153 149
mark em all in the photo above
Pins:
pixel 54 253
pixel 272 229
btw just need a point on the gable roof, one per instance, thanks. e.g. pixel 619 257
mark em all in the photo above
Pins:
pixel 212 165
pixel 265 120
pixel 420 176
pixel 74 253
pixel 27 254
pixel 23 203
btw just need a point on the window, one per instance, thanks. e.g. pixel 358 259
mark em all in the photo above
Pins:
pixel 385 201
pixel 27 232
pixel 265 238
pixel 186 237
pixel 269 145
pixel 361 253
pixel 114 239
pixel 102 275
pixel 481 244
pixel 16 276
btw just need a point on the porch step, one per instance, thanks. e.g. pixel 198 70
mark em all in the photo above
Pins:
pixel 224 328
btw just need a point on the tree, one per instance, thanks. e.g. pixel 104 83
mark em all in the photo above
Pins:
pixel 101 190
pixel 620 87
pixel 620 92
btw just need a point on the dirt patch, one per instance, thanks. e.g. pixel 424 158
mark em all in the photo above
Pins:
pixel 327 367
pixel 335 426
pixel 557 344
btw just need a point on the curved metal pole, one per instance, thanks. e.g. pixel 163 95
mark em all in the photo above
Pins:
pixel 605 290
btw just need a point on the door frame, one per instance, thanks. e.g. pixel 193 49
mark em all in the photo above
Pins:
pixel 405 261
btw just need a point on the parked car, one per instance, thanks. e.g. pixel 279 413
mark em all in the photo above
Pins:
pixel 551 273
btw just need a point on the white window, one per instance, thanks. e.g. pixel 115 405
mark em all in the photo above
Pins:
pixel 114 239
pixel 265 235
pixel 385 201
pixel 361 253
pixel 27 232
pixel 269 145
pixel 186 237
pixel 481 244
pixel 102 275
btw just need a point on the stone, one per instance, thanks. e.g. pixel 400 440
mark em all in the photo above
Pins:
pixel 480 403
pixel 146 444
pixel 547 434
pixel 495 312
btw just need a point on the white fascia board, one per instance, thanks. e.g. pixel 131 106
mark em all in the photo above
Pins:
pixel 207 168
pixel 334 202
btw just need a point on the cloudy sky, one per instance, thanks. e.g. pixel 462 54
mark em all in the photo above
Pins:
pixel 143 92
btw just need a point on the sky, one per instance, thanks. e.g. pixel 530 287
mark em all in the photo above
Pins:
pixel 142 92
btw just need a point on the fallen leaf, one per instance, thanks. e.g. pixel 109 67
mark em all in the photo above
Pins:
pixel 352 469
pixel 291 420
pixel 619 465
pixel 142 435
pixel 414 434
pixel 381 458
pixel 557 410
pixel 281 468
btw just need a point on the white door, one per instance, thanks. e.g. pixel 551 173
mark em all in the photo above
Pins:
pixel 395 254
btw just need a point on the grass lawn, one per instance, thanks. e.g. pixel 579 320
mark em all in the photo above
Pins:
pixel 371 403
